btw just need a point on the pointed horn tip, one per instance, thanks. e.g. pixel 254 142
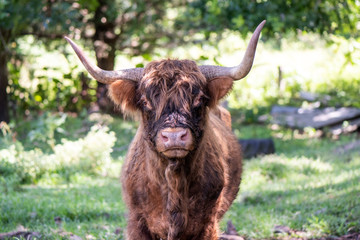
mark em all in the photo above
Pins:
pixel 67 38
pixel 70 41
pixel 260 26
pixel 76 48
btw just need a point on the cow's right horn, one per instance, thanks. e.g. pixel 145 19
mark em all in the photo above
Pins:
pixel 103 76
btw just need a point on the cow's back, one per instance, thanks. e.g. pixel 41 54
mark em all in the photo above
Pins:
pixel 223 114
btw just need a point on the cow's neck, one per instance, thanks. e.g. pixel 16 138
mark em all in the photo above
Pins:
pixel 179 180
pixel 176 177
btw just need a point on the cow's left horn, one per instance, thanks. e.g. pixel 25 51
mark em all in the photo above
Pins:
pixel 103 76
pixel 240 71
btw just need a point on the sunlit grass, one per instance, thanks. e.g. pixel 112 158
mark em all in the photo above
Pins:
pixel 305 185
pixel 319 197
pixel 90 206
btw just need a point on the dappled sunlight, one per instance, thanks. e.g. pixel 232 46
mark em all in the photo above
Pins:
pixel 280 170
pixel 61 155
pixel 307 194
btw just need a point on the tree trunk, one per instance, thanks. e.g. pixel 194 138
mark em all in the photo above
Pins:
pixel 104 44
pixel 4 109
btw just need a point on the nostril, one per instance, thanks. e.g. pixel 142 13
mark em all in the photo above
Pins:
pixel 183 135
pixel 164 137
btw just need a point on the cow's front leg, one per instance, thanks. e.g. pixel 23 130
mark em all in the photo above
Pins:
pixel 137 229
pixel 177 200
pixel 177 226
pixel 210 231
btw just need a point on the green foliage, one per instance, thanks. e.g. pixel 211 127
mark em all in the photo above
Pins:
pixel 22 17
pixel 15 15
pixel 49 90
pixel 309 65
pixel 65 89
pixel 330 16
pixel 18 166
pixel 343 92
pixel 45 129
pixel 90 155
pixel 134 25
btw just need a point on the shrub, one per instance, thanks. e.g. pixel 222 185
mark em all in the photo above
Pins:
pixel 90 155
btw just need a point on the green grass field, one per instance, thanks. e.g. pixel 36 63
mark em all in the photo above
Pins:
pixel 307 185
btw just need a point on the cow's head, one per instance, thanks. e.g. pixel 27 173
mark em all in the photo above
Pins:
pixel 173 96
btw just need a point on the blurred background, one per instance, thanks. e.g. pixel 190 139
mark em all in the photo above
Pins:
pixel 62 142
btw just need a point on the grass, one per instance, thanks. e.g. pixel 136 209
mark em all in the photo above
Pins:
pixel 88 207
pixel 306 186
pixel 312 195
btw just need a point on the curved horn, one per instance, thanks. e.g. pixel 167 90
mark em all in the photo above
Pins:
pixel 240 71
pixel 103 76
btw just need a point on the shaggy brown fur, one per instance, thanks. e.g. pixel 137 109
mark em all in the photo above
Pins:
pixel 170 198
pixel 223 114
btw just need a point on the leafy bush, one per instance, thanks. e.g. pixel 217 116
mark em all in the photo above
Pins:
pixel 90 155
pixel 51 87
pixel 343 92
pixel 45 128
pixel 18 166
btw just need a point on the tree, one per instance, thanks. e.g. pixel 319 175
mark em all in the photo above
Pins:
pixel 4 52
pixel 108 26
pixel 14 18
pixel 23 17
pixel 137 27
pixel 133 25
pixel 283 16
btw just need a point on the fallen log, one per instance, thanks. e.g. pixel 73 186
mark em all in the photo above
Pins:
pixel 348 127
pixel 317 118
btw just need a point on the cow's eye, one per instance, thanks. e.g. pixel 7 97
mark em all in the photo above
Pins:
pixel 146 104
pixel 197 101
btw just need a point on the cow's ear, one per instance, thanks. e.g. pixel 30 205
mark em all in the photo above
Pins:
pixel 122 93
pixel 218 88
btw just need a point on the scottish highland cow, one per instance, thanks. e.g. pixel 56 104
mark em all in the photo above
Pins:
pixel 183 167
